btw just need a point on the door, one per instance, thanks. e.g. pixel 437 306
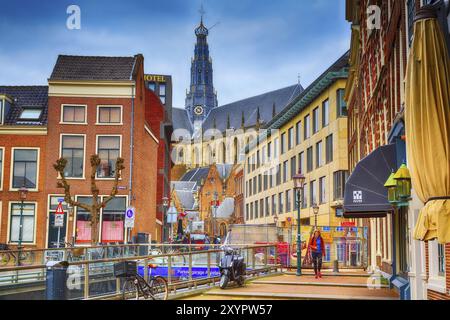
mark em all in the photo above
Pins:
pixel 55 232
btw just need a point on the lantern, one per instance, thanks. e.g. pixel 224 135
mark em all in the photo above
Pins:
pixel 299 181
pixel 391 185
pixel 23 193
pixel 403 180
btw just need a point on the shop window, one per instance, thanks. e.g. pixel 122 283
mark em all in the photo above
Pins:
pixel 83 222
pixel 113 220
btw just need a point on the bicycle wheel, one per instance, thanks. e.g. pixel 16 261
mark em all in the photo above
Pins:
pixel 26 258
pixel 5 257
pixel 159 288
pixel 129 290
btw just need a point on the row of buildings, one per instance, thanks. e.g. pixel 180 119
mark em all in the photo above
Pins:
pixel 91 105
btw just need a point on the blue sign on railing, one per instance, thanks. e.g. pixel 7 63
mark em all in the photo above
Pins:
pixel 181 272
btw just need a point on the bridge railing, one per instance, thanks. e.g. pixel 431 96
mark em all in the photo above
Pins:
pixel 183 266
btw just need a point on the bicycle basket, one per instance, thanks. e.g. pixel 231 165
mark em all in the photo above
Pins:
pixel 125 269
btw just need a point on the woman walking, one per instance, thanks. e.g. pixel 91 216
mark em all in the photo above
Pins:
pixel 317 247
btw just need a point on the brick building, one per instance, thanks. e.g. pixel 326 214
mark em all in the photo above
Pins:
pixel 98 106
pixel 23 136
pixel 375 94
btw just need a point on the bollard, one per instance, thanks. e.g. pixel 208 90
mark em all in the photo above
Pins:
pixel 56 288
pixel 336 266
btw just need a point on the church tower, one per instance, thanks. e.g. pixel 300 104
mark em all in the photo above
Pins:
pixel 201 98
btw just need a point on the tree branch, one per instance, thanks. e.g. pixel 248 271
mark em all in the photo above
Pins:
pixel 114 190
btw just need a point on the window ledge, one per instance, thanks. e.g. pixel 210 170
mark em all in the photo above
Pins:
pixel 75 123
pixel 437 284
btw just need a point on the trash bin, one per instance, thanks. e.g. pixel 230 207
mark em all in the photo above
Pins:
pixel 336 266
pixel 56 280
pixel 142 238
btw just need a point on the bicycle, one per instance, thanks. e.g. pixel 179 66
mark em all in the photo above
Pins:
pixel 19 256
pixel 135 286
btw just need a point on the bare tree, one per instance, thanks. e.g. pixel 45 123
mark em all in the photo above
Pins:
pixel 94 208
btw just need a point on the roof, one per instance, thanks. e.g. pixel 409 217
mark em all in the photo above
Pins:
pixel 265 102
pixel 186 198
pixel 226 209
pixel 180 120
pixel 93 68
pixel 26 96
pixel 183 185
pixel 224 170
pixel 196 175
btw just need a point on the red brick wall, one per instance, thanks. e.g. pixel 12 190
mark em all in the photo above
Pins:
pixel 433 295
pixel 34 141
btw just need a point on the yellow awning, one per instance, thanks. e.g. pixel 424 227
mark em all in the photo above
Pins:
pixel 427 120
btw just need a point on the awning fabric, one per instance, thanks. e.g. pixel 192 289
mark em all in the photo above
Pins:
pixel 427 123
pixel 365 194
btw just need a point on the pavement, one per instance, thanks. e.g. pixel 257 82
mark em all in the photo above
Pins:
pixel 344 286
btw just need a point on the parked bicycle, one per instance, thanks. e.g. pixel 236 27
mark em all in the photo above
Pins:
pixel 17 256
pixel 136 287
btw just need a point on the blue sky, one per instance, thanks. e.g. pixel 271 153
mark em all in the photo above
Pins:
pixel 258 46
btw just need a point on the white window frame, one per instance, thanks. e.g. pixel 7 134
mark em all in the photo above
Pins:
pixel 61 121
pixel 11 169
pixel 96 151
pixel 97 121
pixel 84 153
pixel 8 234
pixel 435 281
pixel 2 168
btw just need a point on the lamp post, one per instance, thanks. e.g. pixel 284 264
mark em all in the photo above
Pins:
pixel 23 196
pixel 299 181
pixel 165 206
pixel 316 212
pixel 215 199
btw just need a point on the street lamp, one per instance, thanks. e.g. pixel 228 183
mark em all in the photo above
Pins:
pixel 165 206
pixel 403 180
pixel 215 199
pixel 23 192
pixel 316 212
pixel 299 182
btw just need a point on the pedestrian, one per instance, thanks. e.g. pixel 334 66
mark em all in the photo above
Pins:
pixel 317 247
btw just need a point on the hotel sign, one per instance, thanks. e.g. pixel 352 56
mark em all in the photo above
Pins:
pixel 154 78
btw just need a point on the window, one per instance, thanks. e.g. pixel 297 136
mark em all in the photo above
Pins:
pixel 108 149
pixel 290 138
pixel 280 203
pixel 30 114
pixel 263 156
pixel 411 12
pixel 298 132
pixel 341 105
pixel 278 174
pixel 319 159
pixel 293 166
pixel 251 211
pixel 327 257
pixel 1 169
pixel 109 115
pixel 301 161
pixel 83 223
pixel 113 219
pixel 256 209
pixel 307 127
pixel 250 187
pixel 322 191
pixel 316 120
pixel 329 149
pixel 28 221
pixel 259 183
pixel 162 92
pixel 441 260
pixel 288 201
pixel 325 113
pixel 285 171
pixel 261 208
pixel 72 149
pixel 339 179
pixel 276 150
pixel 283 143
pixel 274 205
pixel 73 114
pixel 254 185
pixel 313 194
pixel 305 197
pixel 269 151
pixel 25 168
pixel 246 212
pixel 152 86
pixel 309 159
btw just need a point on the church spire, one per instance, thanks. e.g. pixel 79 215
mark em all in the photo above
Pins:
pixel 202 97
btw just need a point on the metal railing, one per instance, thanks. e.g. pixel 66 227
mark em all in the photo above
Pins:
pixel 188 269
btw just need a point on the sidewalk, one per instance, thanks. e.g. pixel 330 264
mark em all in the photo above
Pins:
pixel 306 287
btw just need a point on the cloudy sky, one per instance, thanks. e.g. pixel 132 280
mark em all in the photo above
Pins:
pixel 257 45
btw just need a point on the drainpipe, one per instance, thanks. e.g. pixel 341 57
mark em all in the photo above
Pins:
pixel 130 186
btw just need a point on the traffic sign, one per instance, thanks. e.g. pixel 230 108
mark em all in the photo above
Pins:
pixel 59 209
pixel 59 220
pixel 129 217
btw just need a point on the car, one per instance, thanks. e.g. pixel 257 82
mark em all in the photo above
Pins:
pixel 200 240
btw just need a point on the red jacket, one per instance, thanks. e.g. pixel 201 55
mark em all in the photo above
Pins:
pixel 313 244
